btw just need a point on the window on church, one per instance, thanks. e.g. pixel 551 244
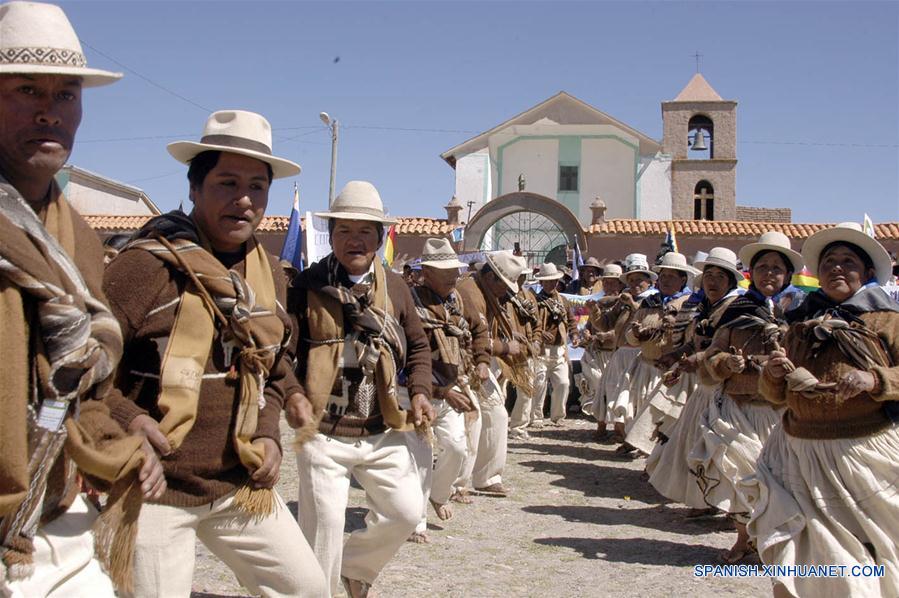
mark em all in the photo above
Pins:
pixel 568 178
pixel 703 201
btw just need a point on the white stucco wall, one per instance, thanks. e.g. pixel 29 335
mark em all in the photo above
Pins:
pixel 538 159
pixel 607 170
pixel 87 200
pixel 473 181
pixel 655 189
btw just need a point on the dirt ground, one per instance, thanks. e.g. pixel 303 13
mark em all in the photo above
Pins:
pixel 579 522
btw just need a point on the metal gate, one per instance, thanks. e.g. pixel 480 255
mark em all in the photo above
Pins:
pixel 535 236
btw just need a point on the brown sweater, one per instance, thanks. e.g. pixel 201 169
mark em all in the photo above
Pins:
pixel 144 294
pixel 743 386
pixel 471 294
pixel 858 416
pixel 645 330
pixel 614 316
pixel 443 374
pixel 556 334
pixel 417 368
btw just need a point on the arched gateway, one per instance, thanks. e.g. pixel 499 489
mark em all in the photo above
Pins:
pixel 524 208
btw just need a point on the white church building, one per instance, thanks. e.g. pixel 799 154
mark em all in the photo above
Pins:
pixel 572 153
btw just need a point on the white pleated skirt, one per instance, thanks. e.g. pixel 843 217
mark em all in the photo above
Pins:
pixel 731 438
pixel 616 377
pixel 829 502
pixel 669 471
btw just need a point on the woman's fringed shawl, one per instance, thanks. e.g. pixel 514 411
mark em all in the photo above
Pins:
pixel 52 375
pixel 246 312
pixel 823 321
pixel 332 310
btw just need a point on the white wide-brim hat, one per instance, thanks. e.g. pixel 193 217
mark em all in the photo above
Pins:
pixel 438 253
pixel 358 200
pixel 851 232
pixel 237 132
pixel 677 262
pixel 591 262
pixel 38 39
pixel 522 264
pixel 721 257
pixel 611 271
pixel 505 266
pixel 548 271
pixel 636 263
pixel 771 241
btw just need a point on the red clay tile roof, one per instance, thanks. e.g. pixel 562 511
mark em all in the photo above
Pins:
pixel 437 226
pixel 274 224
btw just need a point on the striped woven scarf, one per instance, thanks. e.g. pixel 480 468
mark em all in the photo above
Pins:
pixel 78 343
pixel 443 319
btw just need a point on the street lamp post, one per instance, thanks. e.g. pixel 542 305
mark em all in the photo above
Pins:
pixel 333 125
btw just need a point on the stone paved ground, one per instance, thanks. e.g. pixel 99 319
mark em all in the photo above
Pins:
pixel 579 523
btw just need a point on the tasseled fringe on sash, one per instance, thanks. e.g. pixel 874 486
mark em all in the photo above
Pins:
pixel 115 532
pixel 258 502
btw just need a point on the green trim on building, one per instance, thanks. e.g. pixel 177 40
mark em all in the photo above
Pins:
pixel 570 145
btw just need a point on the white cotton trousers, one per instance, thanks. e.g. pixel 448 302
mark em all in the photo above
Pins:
pixel 491 452
pixel 554 371
pixel 473 423
pixel 438 470
pixel 523 413
pixel 268 555
pixel 64 562
pixel 384 466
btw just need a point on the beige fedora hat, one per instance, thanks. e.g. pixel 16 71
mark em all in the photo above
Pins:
pixel 771 241
pixel 675 261
pixel 438 253
pixel 358 200
pixel 723 258
pixel 522 264
pixel 38 39
pixel 636 262
pixel 851 232
pixel 548 271
pixel 238 132
pixel 505 266
pixel 591 262
pixel 611 271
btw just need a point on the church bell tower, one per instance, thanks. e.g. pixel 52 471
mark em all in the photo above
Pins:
pixel 700 135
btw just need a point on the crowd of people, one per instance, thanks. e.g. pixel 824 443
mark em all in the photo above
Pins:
pixel 145 388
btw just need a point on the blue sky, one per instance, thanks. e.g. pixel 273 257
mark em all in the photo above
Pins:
pixel 817 85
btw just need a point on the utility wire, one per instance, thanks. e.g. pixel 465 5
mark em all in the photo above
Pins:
pixel 147 79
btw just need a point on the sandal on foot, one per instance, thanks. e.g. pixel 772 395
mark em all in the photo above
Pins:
pixel 444 511
pixel 461 497
pixel 419 538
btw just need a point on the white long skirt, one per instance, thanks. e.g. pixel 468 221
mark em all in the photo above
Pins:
pixel 660 412
pixel 669 472
pixel 640 430
pixel 829 502
pixel 728 448
pixel 616 377
pixel 593 365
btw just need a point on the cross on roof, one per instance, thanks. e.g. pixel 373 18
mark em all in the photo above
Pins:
pixel 697 56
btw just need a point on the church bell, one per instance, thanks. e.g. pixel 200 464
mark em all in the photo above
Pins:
pixel 698 141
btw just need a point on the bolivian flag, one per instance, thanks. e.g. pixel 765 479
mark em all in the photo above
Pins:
pixel 390 245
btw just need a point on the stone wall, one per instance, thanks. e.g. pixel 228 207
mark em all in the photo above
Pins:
pixel 753 214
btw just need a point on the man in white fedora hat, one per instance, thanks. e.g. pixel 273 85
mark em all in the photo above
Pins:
pixel 359 330
pixel 488 291
pixel 589 280
pixel 557 326
pixel 207 370
pixel 61 343
pixel 460 356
